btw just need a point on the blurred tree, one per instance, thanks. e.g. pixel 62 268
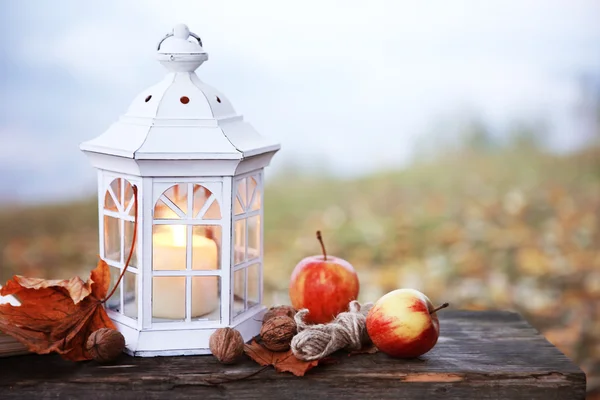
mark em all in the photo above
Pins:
pixel 477 137
pixel 526 136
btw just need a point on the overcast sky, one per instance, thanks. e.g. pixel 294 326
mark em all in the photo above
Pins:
pixel 352 84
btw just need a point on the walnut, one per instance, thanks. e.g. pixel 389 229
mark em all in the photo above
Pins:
pixel 278 311
pixel 105 345
pixel 227 345
pixel 277 333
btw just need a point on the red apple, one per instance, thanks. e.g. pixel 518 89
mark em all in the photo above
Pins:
pixel 404 324
pixel 324 284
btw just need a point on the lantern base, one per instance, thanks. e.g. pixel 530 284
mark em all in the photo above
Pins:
pixel 185 341
pixel 163 353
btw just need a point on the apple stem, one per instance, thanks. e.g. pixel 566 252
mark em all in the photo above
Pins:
pixel 439 308
pixel 320 239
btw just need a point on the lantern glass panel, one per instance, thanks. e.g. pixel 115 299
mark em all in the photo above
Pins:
pixel 128 199
pixel 163 211
pixel 118 221
pixel 253 285
pixel 169 247
pixel 168 298
pixel 239 291
pixel 206 298
pixel 115 188
pixel 109 202
pixel 253 237
pixel 201 195
pixel 205 204
pixel 114 303
pixel 129 227
pixel 177 198
pixel 112 238
pixel 238 209
pixel 239 241
pixel 206 246
pixel 242 193
pixel 130 291
pixel 254 194
pixel 213 211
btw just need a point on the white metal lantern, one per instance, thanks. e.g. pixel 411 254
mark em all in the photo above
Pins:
pixel 198 168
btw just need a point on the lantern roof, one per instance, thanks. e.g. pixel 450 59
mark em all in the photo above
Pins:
pixel 181 117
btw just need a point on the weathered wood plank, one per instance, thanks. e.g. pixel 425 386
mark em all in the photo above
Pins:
pixel 482 355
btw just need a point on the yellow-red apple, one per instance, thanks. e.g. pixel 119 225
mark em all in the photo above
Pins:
pixel 324 285
pixel 404 324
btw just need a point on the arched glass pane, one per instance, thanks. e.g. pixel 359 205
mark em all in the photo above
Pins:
pixel 109 203
pixel 213 212
pixel 253 194
pixel 163 211
pixel 128 199
pixel 201 194
pixel 117 232
pixel 205 204
pixel 116 186
pixel 118 196
pixel 177 195
pixel 241 195
pixel 238 206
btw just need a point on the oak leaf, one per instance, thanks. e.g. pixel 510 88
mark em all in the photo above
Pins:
pixel 57 315
pixel 282 361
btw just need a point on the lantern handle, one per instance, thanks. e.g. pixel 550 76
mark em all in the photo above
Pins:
pixel 168 35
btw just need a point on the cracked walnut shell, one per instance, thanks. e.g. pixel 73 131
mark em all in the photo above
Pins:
pixel 277 333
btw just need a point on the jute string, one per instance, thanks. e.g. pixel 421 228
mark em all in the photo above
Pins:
pixel 348 330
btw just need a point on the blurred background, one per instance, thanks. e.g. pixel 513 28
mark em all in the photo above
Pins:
pixel 448 146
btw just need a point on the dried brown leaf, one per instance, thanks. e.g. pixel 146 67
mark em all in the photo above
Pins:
pixel 57 316
pixel 282 361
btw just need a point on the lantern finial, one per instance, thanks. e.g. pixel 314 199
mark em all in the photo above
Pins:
pixel 181 31
pixel 179 54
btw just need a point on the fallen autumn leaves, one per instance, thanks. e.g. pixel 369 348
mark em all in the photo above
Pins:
pixel 57 316
pixel 282 361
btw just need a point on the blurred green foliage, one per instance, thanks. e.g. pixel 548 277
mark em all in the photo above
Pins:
pixel 482 227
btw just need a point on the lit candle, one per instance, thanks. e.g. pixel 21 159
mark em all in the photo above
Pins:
pixel 168 293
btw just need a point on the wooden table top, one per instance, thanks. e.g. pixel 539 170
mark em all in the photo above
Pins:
pixel 480 355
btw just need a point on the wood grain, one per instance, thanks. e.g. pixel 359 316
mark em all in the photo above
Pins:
pixel 480 355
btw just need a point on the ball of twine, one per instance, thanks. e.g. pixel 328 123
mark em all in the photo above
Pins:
pixel 348 330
